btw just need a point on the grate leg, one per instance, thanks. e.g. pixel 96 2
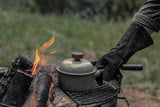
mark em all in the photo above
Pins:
pixel 127 101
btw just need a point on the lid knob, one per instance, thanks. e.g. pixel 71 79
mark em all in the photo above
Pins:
pixel 77 56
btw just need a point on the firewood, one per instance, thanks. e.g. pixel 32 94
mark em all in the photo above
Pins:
pixel 19 63
pixel 39 90
pixel 43 89
pixel 5 105
pixel 31 100
pixel 17 91
pixel 3 70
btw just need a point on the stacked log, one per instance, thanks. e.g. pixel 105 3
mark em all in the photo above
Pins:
pixel 18 89
pixel 39 90
pixel 19 63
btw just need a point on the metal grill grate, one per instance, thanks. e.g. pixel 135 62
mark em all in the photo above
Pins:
pixel 98 95
pixel 106 93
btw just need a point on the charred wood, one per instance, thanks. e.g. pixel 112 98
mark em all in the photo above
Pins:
pixel 5 105
pixel 39 90
pixel 19 63
pixel 35 80
pixel 23 63
pixel 43 89
pixel 31 100
pixel 49 69
pixel 17 91
pixel 3 70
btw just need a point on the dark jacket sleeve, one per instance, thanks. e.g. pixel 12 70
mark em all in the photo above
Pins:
pixel 149 15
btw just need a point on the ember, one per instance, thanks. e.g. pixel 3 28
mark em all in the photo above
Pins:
pixel 51 86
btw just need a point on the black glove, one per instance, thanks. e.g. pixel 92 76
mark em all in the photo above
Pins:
pixel 149 15
pixel 135 39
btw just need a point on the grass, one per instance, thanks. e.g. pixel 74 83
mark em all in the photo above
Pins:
pixel 23 32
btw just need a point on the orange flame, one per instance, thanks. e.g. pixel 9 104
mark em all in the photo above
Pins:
pixel 52 52
pixel 37 59
pixel 43 59
pixel 49 104
pixel 40 57
pixel 47 44
pixel 52 85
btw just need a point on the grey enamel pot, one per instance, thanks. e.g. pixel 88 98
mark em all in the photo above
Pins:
pixel 76 73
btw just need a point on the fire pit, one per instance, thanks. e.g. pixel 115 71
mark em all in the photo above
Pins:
pixel 99 95
pixel 72 84
pixel 18 78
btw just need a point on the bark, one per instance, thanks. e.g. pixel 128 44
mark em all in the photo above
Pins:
pixel 19 63
pixel 18 88
pixel 43 89
pixel 39 90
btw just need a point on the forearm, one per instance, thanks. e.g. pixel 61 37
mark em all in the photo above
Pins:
pixel 148 16
pixel 148 30
pixel 135 39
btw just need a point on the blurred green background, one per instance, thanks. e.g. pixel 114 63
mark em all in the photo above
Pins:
pixel 90 26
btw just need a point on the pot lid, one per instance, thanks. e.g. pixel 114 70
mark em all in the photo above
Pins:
pixel 76 65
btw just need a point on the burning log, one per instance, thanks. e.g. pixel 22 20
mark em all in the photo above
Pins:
pixel 39 90
pixel 17 91
pixel 43 89
pixel 35 80
pixel 49 69
pixel 19 63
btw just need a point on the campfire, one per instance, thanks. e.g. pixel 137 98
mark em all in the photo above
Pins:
pixel 27 84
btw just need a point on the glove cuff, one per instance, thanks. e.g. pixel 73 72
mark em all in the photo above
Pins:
pixel 136 38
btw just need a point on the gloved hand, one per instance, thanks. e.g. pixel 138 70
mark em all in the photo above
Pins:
pixel 135 39
pixel 149 15
pixel 110 62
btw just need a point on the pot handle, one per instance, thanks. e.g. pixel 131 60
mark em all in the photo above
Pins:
pixel 132 67
pixel 77 56
pixel 129 67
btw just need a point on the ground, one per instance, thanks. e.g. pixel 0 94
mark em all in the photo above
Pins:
pixel 138 98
